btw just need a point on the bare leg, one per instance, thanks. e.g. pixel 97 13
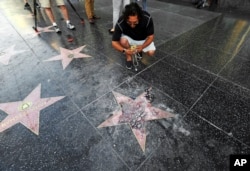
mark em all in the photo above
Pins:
pixel 150 53
pixel 66 17
pixel 125 44
pixel 64 12
pixel 49 13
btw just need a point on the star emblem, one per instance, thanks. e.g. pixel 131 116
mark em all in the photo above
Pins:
pixel 26 112
pixel 6 54
pixel 40 30
pixel 68 55
pixel 135 113
pixel 45 29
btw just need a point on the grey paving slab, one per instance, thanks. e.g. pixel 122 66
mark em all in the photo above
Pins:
pixel 205 57
pixel 245 50
pixel 237 71
pixel 199 147
pixel 226 112
pixel 174 82
pixel 233 88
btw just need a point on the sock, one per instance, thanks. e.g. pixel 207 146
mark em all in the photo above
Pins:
pixel 67 21
pixel 54 24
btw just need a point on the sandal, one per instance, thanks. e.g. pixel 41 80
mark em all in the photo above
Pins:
pixel 96 17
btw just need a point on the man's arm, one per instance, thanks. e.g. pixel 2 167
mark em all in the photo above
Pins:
pixel 147 42
pixel 117 46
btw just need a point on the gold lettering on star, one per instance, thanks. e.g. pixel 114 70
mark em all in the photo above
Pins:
pixel 71 56
pixel 28 106
pixel 25 106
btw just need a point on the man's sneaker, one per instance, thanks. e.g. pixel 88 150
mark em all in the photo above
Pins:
pixel 129 64
pixel 57 29
pixel 26 6
pixel 70 26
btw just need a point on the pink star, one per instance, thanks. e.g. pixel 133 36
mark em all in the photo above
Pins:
pixel 45 29
pixel 7 54
pixel 26 112
pixel 135 113
pixel 41 30
pixel 68 55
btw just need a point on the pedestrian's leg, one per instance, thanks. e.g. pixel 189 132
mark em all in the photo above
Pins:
pixel 117 4
pixel 88 11
pixel 66 16
pixel 144 5
pixel 88 8
pixel 64 12
pixel 92 8
pixel 116 11
pixel 50 15
pixel 125 2
pixel 47 8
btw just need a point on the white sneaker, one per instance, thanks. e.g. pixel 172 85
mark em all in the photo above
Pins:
pixel 70 26
pixel 57 29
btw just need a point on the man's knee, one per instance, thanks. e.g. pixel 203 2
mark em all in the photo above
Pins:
pixel 124 42
pixel 151 53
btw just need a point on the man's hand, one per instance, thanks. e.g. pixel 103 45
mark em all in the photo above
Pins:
pixel 130 51
pixel 139 48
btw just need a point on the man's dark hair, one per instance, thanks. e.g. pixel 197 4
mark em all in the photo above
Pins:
pixel 132 9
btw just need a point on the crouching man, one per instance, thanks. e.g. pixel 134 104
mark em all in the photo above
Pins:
pixel 134 28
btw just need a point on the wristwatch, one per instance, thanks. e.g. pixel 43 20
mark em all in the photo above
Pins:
pixel 124 51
